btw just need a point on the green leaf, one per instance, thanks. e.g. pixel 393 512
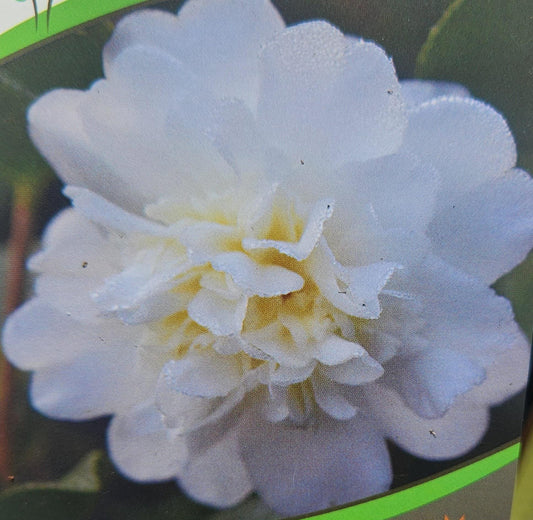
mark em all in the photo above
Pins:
pixel 71 497
pixel 487 45
pixel 251 509
pixel 71 61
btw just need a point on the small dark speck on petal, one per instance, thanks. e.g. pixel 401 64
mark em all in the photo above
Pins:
pixel 85 264
pixel 389 92
pixel 301 162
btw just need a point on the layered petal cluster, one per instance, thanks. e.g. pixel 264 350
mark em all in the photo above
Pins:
pixel 278 257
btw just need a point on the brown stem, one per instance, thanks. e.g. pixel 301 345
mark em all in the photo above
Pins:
pixel 19 237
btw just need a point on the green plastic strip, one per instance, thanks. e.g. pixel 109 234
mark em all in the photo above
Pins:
pixel 63 16
pixel 394 504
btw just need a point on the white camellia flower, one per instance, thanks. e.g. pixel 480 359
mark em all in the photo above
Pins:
pixel 278 257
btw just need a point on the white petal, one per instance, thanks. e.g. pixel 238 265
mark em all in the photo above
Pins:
pixel 56 128
pixel 467 141
pixel 143 448
pixel 182 413
pixel 217 477
pixel 285 376
pixel 357 371
pixel 141 292
pixel 331 400
pixel 295 474
pixel 324 99
pixel 203 374
pixel 430 382
pixel 275 407
pixel 70 269
pixel 221 316
pixel 99 210
pixel 506 376
pixel 256 279
pixel 220 41
pixel 92 385
pixel 272 341
pixel 452 435
pixel 483 323
pixel 335 350
pixel 489 230
pixel 37 336
pixel 205 240
pixel 300 250
pixel 400 188
pixel 364 285
pixel 416 91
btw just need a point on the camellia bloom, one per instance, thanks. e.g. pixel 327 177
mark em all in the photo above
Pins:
pixel 278 257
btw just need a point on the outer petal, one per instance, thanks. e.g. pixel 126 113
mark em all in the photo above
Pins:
pixel 57 129
pixel 94 384
pixel 219 40
pixel 489 230
pixel 303 469
pixel 218 476
pixel 462 314
pixel 430 382
pixel 452 435
pixel 467 141
pixel 328 99
pixel 37 336
pixel 143 448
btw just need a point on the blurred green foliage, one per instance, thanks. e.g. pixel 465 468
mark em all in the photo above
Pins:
pixel 71 497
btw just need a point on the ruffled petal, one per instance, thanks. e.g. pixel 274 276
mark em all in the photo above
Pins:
pixel 298 470
pixel 143 448
pixel 302 249
pixel 218 314
pixel 256 279
pixel 203 374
